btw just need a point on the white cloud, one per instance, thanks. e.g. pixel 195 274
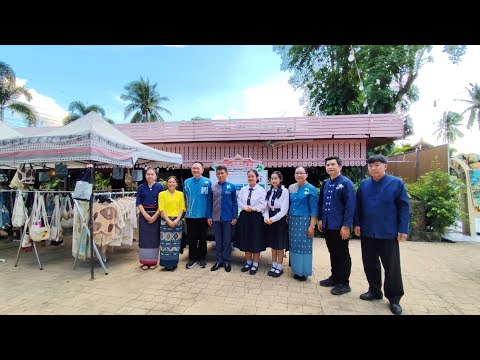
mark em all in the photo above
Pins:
pixel 442 82
pixel 117 97
pixel 231 114
pixel 274 98
pixel 48 111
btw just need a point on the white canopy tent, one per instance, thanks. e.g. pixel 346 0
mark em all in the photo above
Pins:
pixel 86 140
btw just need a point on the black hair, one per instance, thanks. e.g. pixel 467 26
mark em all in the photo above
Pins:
pixel 377 157
pixel 198 162
pixel 221 167
pixel 172 177
pixel 279 174
pixel 256 174
pixel 336 158
pixel 148 168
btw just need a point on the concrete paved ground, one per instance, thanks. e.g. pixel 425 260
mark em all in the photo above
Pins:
pixel 439 278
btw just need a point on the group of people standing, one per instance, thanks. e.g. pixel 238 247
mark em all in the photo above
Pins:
pixel 378 213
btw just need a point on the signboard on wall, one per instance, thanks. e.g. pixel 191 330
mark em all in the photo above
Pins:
pixel 237 171
pixel 475 182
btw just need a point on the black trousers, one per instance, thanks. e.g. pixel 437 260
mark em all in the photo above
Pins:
pixel 197 238
pixel 340 261
pixel 387 250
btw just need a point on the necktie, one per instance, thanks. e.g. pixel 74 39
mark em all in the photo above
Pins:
pixel 249 196
pixel 273 197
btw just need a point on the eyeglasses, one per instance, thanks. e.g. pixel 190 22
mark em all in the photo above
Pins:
pixel 300 173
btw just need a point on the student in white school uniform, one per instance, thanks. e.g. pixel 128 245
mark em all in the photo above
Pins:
pixel 275 217
pixel 250 232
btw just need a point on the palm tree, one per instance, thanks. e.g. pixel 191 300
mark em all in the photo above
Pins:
pixel 10 92
pixel 475 105
pixel 447 127
pixel 144 100
pixel 78 109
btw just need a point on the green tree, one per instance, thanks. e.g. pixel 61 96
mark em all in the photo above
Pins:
pixel 338 79
pixel 144 101
pixel 448 127
pixel 474 108
pixel 10 92
pixel 438 195
pixel 78 109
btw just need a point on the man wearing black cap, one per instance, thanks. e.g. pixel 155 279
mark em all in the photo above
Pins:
pixel 381 220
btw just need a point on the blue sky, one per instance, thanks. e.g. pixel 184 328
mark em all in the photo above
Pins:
pixel 207 81
pixel 217 81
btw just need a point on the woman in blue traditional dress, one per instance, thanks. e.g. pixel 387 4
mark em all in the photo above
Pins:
pixel 302 218
pixel 171 206
pixel 148 224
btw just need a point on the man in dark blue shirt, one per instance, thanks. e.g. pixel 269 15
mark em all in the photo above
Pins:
pixel 336 208
pixel 381 220
pixel 222 213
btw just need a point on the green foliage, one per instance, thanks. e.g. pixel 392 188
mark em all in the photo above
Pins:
pixel 385 149
pixel 144 102
pixel 354 173
pixel 163 182
pixel 402 149
pixel 437 195
pixel 448 127
pixel 100 182
pixel 78 109
pixel 455 52
pixel 335 82
pixel 10 92
pixel 474 103
pixel 52 184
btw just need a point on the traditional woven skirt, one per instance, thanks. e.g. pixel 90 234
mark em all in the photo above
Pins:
pixel 250 232
pixel 170 243
pixel 277 233
pixel 300 245
pixel 149 239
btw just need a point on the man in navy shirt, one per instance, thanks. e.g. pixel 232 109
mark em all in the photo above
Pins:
pixel 336 208
pixel 381 220
pixel 222 212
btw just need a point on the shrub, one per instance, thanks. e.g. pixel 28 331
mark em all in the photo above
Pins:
pixel 437 195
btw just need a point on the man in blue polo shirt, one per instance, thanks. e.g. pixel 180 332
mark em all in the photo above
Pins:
pixel 197 189
pixel 222 212
pixel 336 208
pixel 381 220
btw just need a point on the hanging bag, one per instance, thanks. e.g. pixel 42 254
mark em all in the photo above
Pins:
pixel 39 227
pixel 18 216
pixel 83 191
pixel 61 170
pixel 117 173
pixel 137 175
pixel 55 228
pixel 26 176
pixel 15 183
pixel 67 214
pixel 43 176
pixel 128 178
pixel 26 242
